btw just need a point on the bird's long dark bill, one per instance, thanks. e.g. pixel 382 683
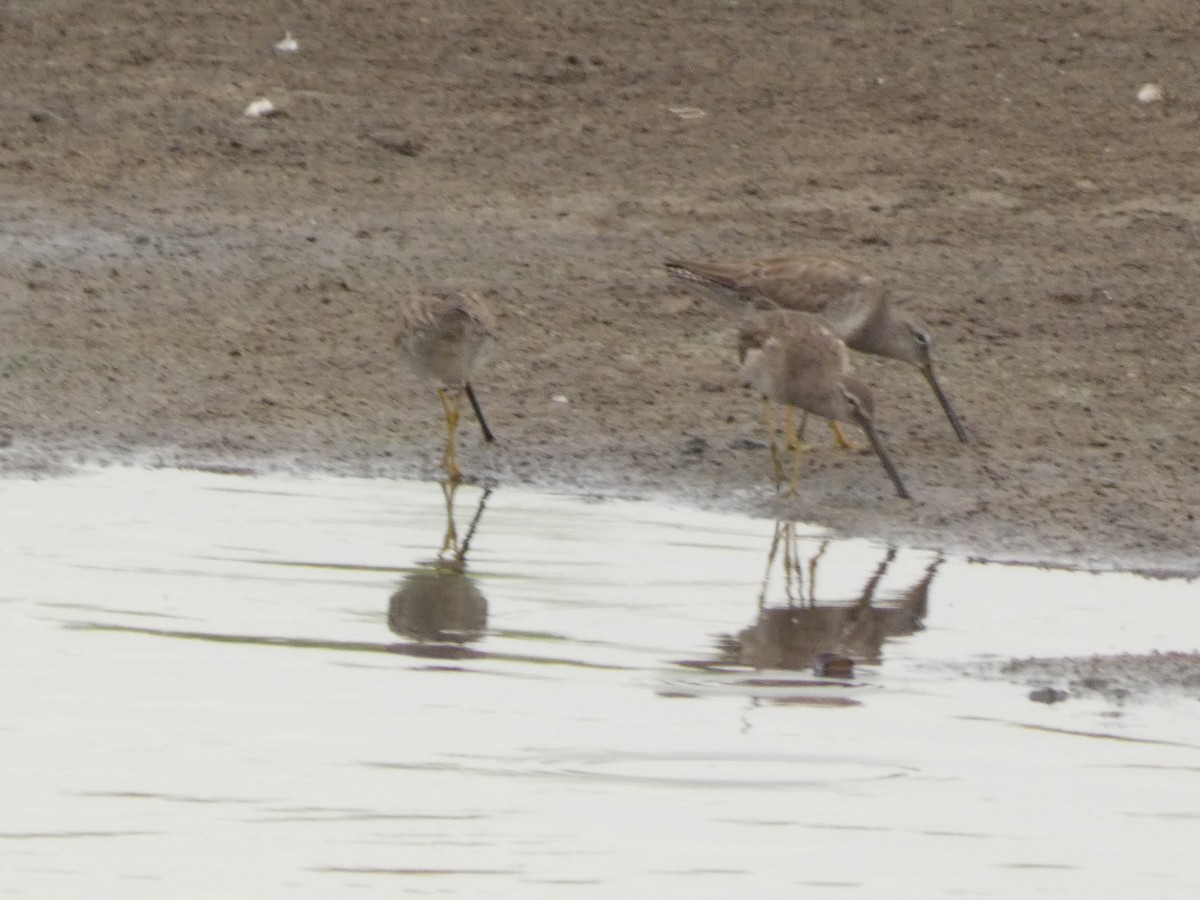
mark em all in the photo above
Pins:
pixel 873 436
pixel 483 425
pixel 955 422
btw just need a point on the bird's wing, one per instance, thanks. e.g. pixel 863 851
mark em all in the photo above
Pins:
pixel 843 292
pixel 419 313
pixel 852 312
pixel 479 311
pixel 440 306
pixel 814 354
pixel 726 275
pixel 800 358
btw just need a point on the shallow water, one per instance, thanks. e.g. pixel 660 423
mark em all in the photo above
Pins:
pixel 227 686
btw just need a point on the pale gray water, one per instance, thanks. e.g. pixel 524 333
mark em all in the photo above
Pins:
pixel 202 698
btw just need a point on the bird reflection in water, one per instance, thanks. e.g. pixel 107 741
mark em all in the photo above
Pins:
pixel 438 604
pixel 828 638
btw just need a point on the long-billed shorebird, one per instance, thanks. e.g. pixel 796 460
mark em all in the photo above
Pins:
pixel 852 301
pixel 446 334
pixel 794 358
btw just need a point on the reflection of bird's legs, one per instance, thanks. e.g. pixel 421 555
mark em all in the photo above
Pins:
pixel 450 541
pixel 793 575
pixel 868 592
pixel 451 402
pixel 762 594
pixel 466 542
pixel 812 572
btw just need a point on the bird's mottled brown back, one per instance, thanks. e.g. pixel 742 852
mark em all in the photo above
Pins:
pixel 798 357
pixel 804 333
pixel 445 333
pixel 432 308
pixel 843 292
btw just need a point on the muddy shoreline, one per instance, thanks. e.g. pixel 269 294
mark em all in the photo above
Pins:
pixel 182 285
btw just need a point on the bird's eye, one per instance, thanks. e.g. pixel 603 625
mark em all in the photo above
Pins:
pixel 922 337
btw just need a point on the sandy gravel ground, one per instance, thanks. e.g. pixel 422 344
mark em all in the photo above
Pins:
pixel 182 285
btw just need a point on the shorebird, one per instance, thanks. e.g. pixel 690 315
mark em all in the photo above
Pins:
pixel 794 358
pixel 446 333
pixel 852 301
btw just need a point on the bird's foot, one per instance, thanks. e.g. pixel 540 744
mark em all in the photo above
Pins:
pixel 839 438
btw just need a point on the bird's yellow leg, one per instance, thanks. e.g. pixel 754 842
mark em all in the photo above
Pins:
pixel 797 454
pixel 800 429
pixel 776 461
pixel 840 438
pixel 450 403
pixel 796 448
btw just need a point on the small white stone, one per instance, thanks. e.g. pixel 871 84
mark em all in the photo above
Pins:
pixel 260 108
pixel 559 398
pixel 1150 93
pixel 288 44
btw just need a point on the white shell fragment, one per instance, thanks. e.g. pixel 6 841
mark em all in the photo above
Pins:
pixel 261 108
pixel 687 112
pixel 1150 93
pixel 560 398
pixel 287 44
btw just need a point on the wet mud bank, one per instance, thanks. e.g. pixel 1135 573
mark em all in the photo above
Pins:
pixel 183 285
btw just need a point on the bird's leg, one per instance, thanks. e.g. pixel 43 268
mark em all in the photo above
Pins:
pixel 839 436
pixel 451 401
pixel 769 417
pixel 800 429
pixel 794 480
pixel 841 440
pixel 796 447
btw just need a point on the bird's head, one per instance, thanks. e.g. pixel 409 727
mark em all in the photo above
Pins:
pixel 859 401
pixel 914 345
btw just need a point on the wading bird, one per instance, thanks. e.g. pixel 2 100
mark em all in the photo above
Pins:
pixel 446 334
pixel 852 302
pixel 793 358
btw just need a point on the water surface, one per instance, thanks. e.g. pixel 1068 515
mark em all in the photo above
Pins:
pixel 228 686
